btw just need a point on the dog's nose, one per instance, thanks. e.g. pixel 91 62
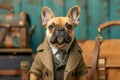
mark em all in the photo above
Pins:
pixel 60 29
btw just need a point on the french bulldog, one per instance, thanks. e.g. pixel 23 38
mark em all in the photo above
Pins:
pixel 60 35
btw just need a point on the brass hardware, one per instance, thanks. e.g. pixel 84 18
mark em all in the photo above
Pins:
pixel 33 27
pixel 99 34
pixel 101 69
pixel 21 23
pixel 24 66
pixel 99 30
pixel 102 78
pixel 101 61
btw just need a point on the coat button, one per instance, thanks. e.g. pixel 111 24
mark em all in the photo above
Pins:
pixel 46 73
pixel 72 75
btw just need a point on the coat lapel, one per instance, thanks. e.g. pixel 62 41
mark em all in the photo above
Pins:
pixel 74 57
pixel 46 57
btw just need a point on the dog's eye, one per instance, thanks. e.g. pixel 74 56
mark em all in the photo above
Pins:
pixel 50 27
pixel 69 26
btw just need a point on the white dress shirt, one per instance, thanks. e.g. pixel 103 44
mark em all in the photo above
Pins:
pixel 54 51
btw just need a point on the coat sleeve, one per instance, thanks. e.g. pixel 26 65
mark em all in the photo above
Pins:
pixel 81 70
pixel 36 67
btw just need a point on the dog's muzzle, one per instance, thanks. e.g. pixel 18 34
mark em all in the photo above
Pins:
pixel 60 36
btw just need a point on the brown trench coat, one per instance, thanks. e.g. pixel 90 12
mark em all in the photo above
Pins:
pixel 43 65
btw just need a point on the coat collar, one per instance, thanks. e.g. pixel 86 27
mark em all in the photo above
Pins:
pixel 74 57
pixel 47 60
pixel 46 57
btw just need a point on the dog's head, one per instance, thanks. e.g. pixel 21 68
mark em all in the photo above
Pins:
pixel 60 30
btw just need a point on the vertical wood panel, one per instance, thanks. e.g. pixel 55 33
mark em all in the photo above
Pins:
pixel 48 3
pixel 115 15
pixel 59 7
pixel 97 14
pixel 80 30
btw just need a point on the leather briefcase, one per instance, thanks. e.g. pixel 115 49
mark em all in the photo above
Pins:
pixel 102 57
pixel 14 29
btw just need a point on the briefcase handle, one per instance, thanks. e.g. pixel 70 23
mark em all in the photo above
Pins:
pixel 7 7
pixel 97 45
pixel 106 25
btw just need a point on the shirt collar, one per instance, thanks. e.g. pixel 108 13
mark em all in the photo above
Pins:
pixel 54 49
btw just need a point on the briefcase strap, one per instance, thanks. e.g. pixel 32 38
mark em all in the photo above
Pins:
pixel 95 59
pixel 7 7
pixel 98 62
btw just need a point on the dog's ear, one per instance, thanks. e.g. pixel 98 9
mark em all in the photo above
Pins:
pixel 74 14
pixel 46 15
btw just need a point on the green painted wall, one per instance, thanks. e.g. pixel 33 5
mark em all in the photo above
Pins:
pixel 93 13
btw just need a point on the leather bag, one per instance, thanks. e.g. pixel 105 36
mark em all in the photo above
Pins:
pixel 102 57
pixel 14 29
